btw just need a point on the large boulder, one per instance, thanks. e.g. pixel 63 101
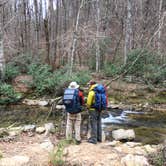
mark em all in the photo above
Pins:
pixel 134 160
pixel 122 134
pixel 35 102
pixel 22 83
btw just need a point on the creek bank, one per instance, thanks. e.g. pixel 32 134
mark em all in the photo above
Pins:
pixel 112 153
pixel 34 144
pixel 35 150
pixel 10 133
pixel 28 150
pixel 137 96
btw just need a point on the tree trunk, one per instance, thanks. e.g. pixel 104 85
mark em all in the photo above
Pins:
pixel 51 26
pixel 25 24
pixel 128 33
pixel 98 58
pixel 56 34
pixel 36 24
pixel 47 40
pixel 75 33
pixel 2 59
pixel 160 27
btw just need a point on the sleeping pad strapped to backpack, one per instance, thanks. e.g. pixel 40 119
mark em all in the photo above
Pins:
pixel 71 100
pixel 100 98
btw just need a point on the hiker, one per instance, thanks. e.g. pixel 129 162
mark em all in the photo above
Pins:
pixel 73 101
pixel 95 107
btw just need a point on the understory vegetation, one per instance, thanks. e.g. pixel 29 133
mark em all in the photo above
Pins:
pixel 56 157
pixel 146 68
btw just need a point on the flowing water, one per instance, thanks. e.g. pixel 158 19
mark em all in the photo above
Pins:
pixel 150 127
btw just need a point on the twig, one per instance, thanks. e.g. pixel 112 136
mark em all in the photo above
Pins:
pixel 11 125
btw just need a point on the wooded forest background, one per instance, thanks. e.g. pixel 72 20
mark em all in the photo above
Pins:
pixel 86 33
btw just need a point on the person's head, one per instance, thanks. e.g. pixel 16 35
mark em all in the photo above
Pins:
pixel 91 82
pixel 73 85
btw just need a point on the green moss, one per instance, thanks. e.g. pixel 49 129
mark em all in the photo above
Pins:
pixel 136 100
pixel 118 97
pixel 158 100
pixel 151 135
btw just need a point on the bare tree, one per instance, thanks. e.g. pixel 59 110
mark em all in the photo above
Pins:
pixel 160 26
pixel 128 31
pixel 65 31
pixel 98 58
pixel 2 58
pixel 36 23
pixel 75 35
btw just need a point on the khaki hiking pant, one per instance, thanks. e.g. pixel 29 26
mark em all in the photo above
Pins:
pixel 73 120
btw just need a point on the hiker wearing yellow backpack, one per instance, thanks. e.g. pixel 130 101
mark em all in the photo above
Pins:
pixel 96 102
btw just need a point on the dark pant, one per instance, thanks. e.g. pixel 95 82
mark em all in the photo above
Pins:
pixel 95 126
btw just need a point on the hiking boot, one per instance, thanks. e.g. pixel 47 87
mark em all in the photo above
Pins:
pixel 99 140
pixel 92 141
pixel 77 142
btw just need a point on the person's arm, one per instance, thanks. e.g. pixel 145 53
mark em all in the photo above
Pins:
pixel 81 97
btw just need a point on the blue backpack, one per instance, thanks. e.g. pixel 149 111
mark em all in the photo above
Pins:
pixel 71 100
pixel 100 98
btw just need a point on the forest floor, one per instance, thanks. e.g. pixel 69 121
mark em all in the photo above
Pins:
pixel 26 150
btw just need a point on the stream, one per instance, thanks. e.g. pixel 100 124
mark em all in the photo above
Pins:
pixel 150 127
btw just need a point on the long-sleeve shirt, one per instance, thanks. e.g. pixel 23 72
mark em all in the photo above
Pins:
pixel 81 95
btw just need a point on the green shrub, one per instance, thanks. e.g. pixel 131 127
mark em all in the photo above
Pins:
pixel 10 72
pixel 56 158
pixel 156 75
pixel 147 66
pixel 157 159
pixel 7 94
pixel 24 60
pixel 140 66
pixel 82 77
pixel 111 69
pixel 47 82
pixel 42 78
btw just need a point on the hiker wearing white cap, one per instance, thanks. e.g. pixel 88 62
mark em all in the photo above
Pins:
pixel 73 100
